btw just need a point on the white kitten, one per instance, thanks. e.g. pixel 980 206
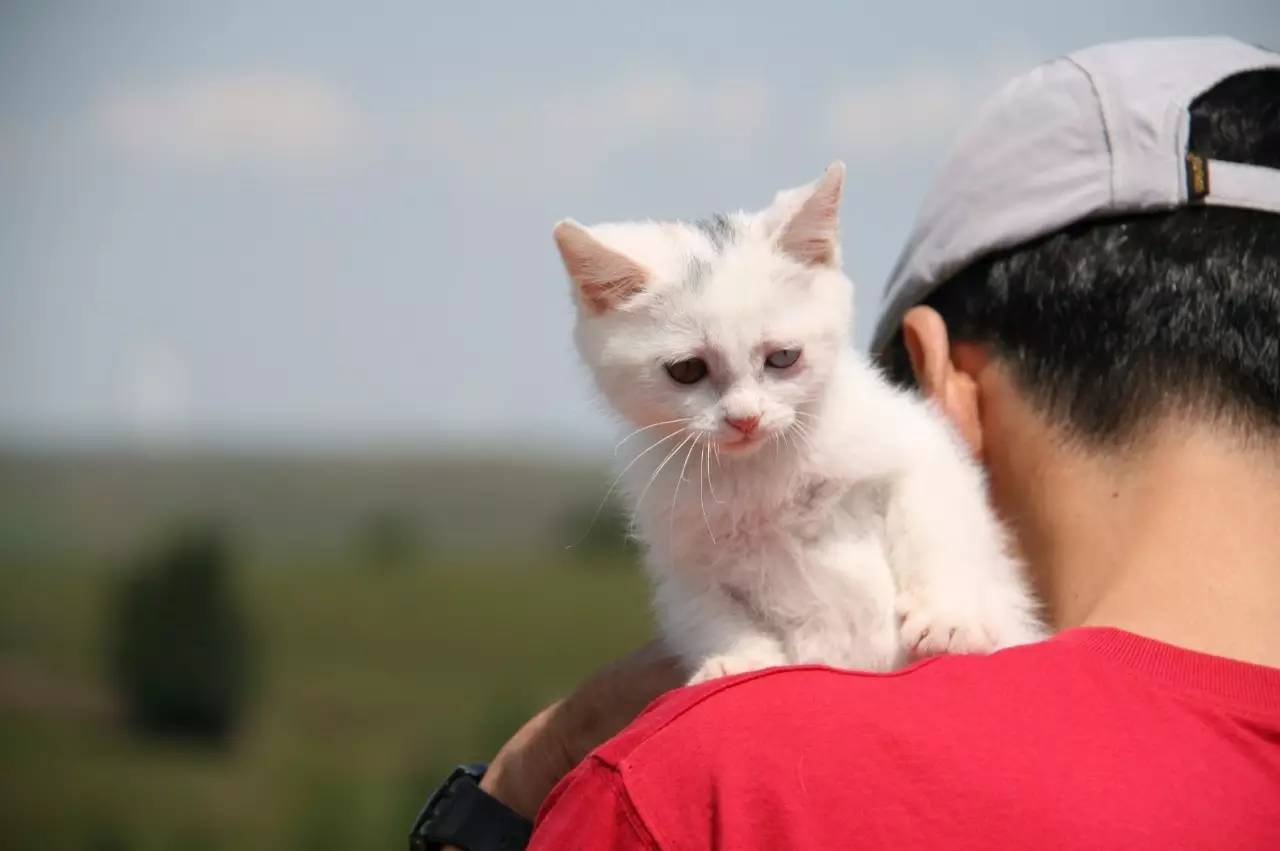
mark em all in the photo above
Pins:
pixel 795 507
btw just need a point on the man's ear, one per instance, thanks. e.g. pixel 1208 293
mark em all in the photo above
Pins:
pixel 949 381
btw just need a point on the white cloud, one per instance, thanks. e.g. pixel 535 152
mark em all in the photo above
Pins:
pixel 288 122
pixel 576 133
pixel 919 110
pixel 265 118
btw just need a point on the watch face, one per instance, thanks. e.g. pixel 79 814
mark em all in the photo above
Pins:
pixel 419 836
pixel 461 813
pixel 474 770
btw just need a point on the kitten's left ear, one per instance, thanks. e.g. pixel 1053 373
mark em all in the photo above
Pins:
pixel 812 234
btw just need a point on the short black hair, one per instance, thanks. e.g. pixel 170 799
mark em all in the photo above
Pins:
pixel 1108 325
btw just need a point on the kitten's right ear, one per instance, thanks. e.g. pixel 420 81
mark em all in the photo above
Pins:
pixel 602 277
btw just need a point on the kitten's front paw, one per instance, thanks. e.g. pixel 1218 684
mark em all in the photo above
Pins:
pixel 726 665
pixel 931 626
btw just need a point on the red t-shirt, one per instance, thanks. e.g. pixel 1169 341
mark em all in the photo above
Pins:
pixel 1096 739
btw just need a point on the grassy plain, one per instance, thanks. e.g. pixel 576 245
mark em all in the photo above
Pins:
pixel 372 679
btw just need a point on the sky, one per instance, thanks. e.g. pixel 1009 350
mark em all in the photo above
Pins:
pixel 299 224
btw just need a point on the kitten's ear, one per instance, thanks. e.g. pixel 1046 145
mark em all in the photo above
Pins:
pixel 812 234
pixel 602 277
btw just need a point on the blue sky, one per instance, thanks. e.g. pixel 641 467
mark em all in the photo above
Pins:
pixel 291 224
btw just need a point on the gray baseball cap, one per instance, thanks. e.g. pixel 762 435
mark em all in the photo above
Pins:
pixel 1100 132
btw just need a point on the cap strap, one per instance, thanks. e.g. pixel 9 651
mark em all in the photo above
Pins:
pixel 1252 187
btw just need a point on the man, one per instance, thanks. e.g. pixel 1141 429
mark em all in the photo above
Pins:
pixel 1092 297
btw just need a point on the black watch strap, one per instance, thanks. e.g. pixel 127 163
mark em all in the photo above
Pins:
pixel 462 814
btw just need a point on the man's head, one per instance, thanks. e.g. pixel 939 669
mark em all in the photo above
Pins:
pixel 1085 341
pixel 1110 325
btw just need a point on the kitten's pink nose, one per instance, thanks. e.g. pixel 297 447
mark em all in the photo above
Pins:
pixel 746 425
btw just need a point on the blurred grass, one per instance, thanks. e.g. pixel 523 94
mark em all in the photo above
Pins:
pixel 373 684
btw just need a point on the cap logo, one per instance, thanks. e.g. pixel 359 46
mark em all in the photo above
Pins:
pixel 1197 177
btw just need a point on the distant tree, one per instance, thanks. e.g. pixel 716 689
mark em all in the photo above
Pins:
pixel 389 538
pixel 179 642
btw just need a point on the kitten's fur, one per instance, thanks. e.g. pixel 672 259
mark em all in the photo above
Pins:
pixel 855 530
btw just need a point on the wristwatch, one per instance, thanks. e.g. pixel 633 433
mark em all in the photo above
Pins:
pixel 465 816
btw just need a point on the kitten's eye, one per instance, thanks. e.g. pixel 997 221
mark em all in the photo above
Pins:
pixel 782 358
pixel 688 371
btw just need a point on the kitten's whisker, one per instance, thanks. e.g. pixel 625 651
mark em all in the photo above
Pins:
pixel 614 484
pixel 654 477
pixel 710 484
pixel 675 494
pixel 646 428
pixel 787 441
pixel 704 461
pixel 804 435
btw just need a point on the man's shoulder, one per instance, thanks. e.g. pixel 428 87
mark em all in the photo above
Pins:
pixel 822 704
pixel 789 757
pixel 1004 747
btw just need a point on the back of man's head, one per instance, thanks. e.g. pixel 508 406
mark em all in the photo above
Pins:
pixel 1109 325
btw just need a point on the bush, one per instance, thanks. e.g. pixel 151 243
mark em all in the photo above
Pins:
pixel 179 643
pixel 390 539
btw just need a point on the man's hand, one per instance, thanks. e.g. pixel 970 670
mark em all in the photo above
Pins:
pixel 551 743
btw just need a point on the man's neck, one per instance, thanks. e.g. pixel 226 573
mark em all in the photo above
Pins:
pixel 1178 541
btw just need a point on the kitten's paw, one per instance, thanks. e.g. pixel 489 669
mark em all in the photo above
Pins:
pixel 930 627
pixel 726 665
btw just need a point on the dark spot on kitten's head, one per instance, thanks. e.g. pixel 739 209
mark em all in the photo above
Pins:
pixel 720 229
pixel 698 270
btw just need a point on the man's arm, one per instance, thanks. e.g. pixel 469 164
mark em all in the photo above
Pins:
pixel 559 737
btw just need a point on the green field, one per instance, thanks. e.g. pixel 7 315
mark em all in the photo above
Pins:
pixel 371 683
